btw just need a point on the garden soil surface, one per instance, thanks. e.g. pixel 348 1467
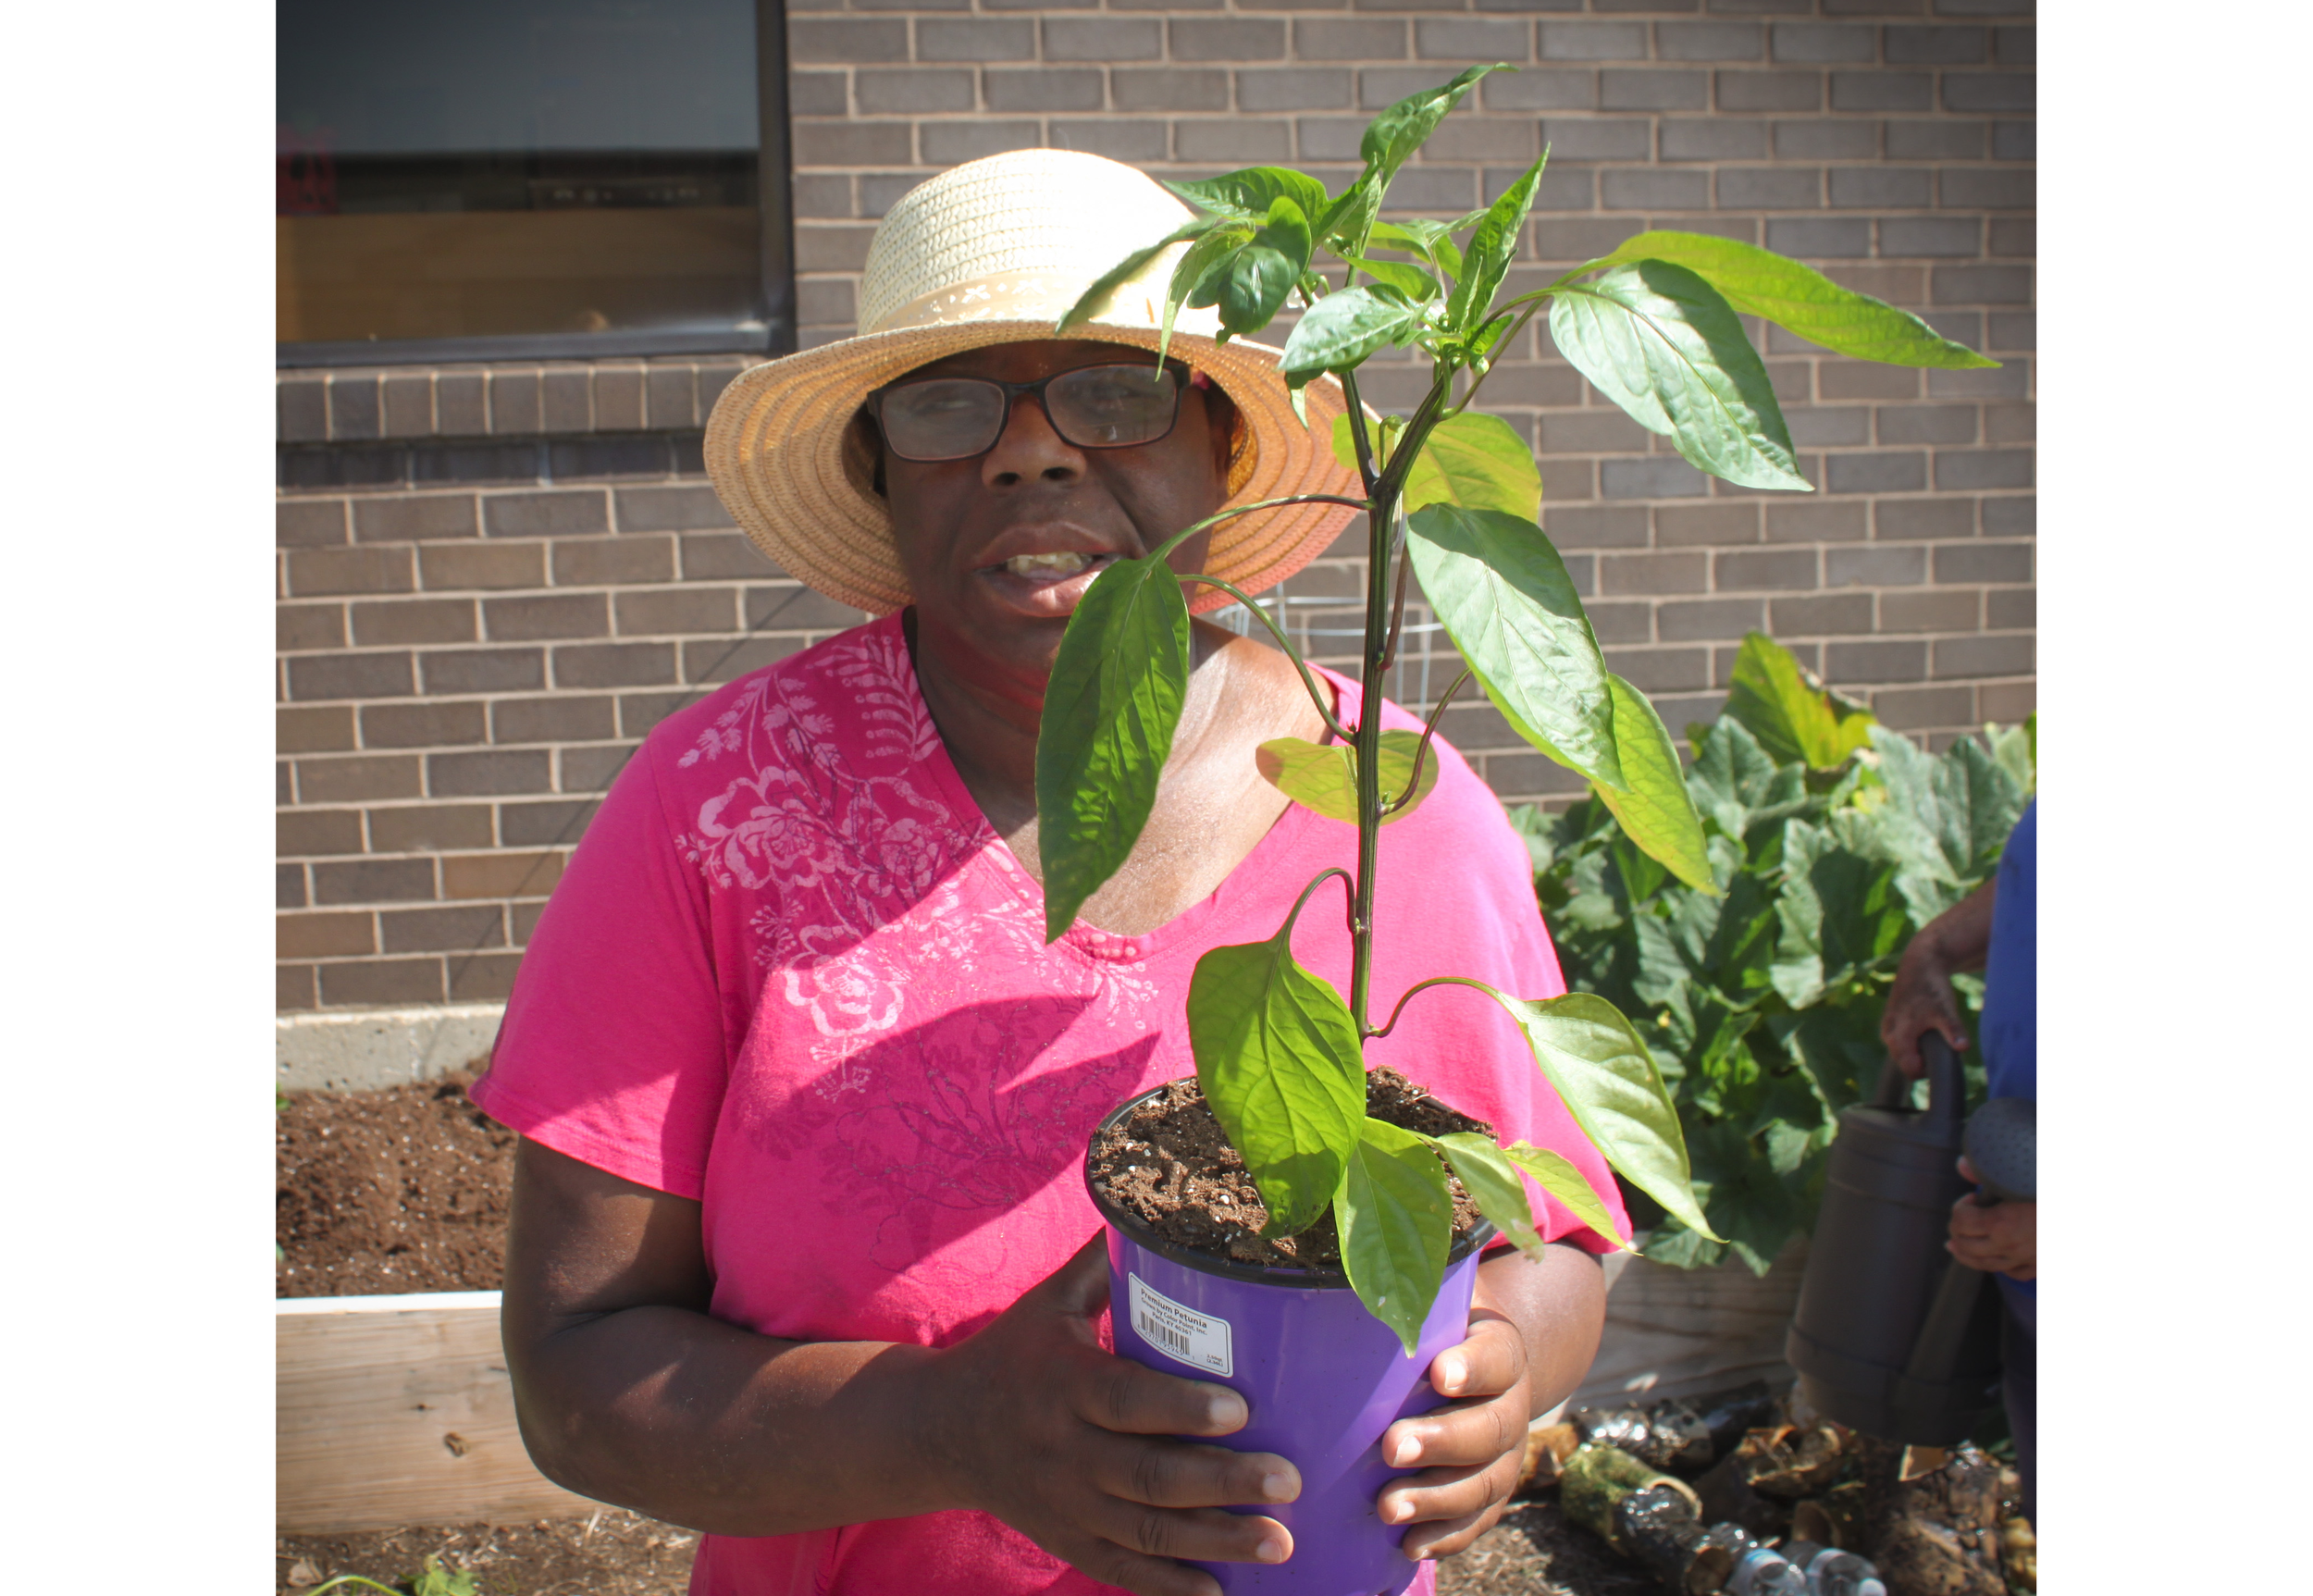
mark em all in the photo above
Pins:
pixel 405 1190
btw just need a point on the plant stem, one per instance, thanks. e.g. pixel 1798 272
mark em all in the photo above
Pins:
pixel 1316 695
pixel 1421 750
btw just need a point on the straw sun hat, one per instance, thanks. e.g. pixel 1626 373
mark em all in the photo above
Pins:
pixel 996 251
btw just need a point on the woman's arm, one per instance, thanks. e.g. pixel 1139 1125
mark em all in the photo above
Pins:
pixel 1921 1000
pixel 628 1390
pixel 1534 1329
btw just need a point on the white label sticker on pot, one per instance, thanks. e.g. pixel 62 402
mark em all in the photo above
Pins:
pixel 1183 1335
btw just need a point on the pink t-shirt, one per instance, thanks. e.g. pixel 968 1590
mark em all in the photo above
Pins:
pixel 793 974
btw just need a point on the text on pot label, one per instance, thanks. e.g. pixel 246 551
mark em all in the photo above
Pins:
pixel 1183 1335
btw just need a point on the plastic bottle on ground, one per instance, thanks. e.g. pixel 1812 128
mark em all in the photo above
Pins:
pixel 1763 1572
pixel 1830 1572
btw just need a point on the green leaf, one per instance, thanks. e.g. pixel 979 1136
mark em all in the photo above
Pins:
pixel 1840 913
pixel 1477 462
pixel 1323 776
pixel 1264 270
pixel 1396 1218
pixel 1398 131
pixel 1491 247
pixel 2013 752
pixel 1608 1082
pixel 1421 234
pixel 1660 343
pixel 1348 220
pixel 1116 688
pixel 1801 300
pixel 1096 299
pixel 1510 607
pixel 1343 328
pixel 1655 809
pixel 1407 278
pixel 1740 785
pixel 1559 1176
pixel 1198 275
pixel 1793 716
pixel 1493 1185
pixel 1276 1055
pixel 1248 195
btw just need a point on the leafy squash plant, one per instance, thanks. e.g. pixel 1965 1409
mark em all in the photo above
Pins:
pixel 1832 840
pixel 1452 495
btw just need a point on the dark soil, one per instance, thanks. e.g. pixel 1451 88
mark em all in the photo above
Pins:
pixel 1167 1164
pixel 612 1554
pixel 1534 1552
pixel 378 1193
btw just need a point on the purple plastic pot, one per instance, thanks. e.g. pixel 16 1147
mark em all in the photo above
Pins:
pixel 1321 1377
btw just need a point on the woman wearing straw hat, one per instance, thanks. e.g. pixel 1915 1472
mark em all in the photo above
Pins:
pixel 799 1252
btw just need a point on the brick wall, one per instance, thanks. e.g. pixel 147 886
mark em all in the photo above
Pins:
pixel 493 580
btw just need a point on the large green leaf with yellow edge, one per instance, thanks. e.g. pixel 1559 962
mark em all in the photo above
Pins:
pixel 1395 1213
pixel 1323 776
pixel 1792 716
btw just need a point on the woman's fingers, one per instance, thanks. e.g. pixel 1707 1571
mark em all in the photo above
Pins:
pixel 1117 1394
pixel 1487 1372
pixel 1170 1474
pixel 1454 1535
pixel 1439 1503
pixel 1193 1535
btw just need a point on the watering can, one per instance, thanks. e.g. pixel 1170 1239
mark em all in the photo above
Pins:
pixel 1893 1336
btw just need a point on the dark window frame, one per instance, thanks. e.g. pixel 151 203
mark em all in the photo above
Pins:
pixel 775 199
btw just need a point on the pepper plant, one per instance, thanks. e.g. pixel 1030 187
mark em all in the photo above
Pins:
pixel 1453 497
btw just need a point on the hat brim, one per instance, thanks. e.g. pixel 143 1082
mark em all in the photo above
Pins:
pixel 775 452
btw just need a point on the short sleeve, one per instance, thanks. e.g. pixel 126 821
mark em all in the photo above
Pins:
pixel 614 1048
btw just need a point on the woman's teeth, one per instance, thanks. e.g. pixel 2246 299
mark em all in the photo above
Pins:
pixel 1047 565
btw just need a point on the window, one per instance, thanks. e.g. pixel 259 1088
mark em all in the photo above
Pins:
pixel 509 179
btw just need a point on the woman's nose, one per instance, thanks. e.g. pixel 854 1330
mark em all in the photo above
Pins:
pixel 1029 450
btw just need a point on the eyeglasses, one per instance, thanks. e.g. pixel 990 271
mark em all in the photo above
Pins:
pixel 938 418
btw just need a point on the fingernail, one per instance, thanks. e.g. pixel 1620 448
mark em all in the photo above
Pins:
pixel 1451 1371
pixel 1280 1487
pixel 1398 1512
pixel 1270 1550
pixel 1408 1449
pixel 1225 1410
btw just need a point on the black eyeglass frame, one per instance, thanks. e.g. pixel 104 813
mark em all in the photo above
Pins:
pixel 1182 377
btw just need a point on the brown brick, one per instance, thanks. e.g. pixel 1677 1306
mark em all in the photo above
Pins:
pixel 461 406
pixel 2006 703
pixel 798 609
pixel 1926 423
pixel 502 874
pixel 302 411
pixel 421 725
pixel 293 986
pixel 1660 670
pixel 427 828
pixel 350 677
pixel 323 936
pixel 488 774
pixel 1220 139
pixel 441 930
pixel 1591 432
pixel 670 398
pixel 482 977
pixel 1911 709
pixel 1784 568
pixel 1690 526
pixel 1931 610
pixel 1906 519
pixel 618 397
pixel 562 511
pixel 1877 660
pixel 1878 565
pixel 1791 520
pixel 298 626
pixel 309 523
pixel 2010 609
pixel 684 610
pixel 381 982
pixel 637 713
pixel 556 718
pixel 353 406
pixel 2009 424
pixel 1596 526
pixel 551 615
pixel 614 666
pixel 557 824
pixel 565 404
pixel 374 881
pixel 1821 614
pixel 1984 562
pixel 524 917
pixel 604 561
pixel 357 780
pixel 670 509
pixel 1168 88
pixel 514 403
pixel 316 572
pixel 321 728
pixel 484 670
pixel 1865 379
pixel 414 621
pixel 413 518
pixel 1698 620
pixel 717 659
pixel 289 886
pixel 299 833
pixel 1987 654
pixel 484 566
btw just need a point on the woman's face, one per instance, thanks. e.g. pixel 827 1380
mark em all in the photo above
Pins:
pixel 1000 548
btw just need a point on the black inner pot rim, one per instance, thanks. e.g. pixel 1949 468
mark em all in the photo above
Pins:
pixel 1230 1269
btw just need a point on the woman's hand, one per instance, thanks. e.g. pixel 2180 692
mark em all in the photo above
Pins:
pixel 1029 1420
pixel 1922 998
pixel 1999 1238
pixel 1534 1329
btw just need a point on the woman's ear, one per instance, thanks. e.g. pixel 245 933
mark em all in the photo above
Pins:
pixel 1227 430
pixel 863 454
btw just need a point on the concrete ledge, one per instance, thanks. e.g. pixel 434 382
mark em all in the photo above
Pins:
pixel 362 1049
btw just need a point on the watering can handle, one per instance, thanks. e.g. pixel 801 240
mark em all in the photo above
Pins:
pixel 1946 1093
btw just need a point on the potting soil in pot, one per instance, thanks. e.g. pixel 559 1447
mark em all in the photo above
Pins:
pixel 1170 1166
pixel 381 1192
